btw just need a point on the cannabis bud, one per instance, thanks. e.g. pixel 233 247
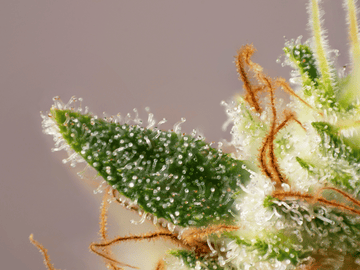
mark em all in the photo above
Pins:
pixel 287 198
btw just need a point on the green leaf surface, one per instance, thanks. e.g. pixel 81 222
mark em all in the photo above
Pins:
pixel 318 227
pixel 276 246
pixel 190 259
pixel 335 144
pixel 303 58
pixel 337 147
pixel 171 175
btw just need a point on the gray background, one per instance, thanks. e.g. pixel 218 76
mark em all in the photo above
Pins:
pixel 173 56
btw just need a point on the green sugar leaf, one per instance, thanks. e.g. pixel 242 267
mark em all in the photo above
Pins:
pixel 280 249
pixel 313 84
pixel 304 164
pixel 319 227
pixel 168 174
pixel 339 148
pixel 276 246
pixel 320 45
pixel 303 58
pixel 335 144
pixel 190 259
pixel 268 201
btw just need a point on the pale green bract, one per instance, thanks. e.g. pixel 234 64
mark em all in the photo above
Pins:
pixel 308 220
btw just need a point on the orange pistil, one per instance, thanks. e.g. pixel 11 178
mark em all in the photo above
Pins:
pixel 281 195
pixel 43 250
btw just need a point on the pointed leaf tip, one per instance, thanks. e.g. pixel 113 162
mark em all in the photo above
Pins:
pixel 173 176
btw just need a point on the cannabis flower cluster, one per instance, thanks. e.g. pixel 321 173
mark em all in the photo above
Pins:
pixel 286 198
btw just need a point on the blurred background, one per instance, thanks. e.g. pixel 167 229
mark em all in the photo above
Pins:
pixel 175 57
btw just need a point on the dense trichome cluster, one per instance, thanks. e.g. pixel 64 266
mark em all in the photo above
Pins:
pixel 169 174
